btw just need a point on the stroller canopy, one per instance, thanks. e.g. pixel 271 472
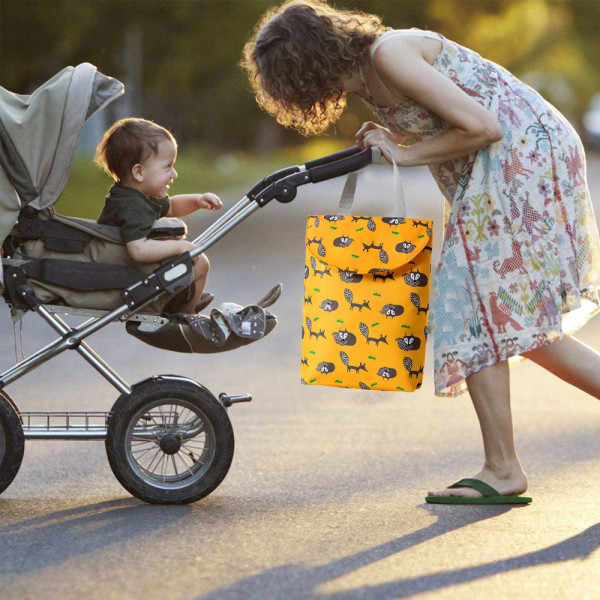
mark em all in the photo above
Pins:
pixel 39 136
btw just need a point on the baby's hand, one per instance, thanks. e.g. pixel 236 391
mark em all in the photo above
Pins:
pixel 209 201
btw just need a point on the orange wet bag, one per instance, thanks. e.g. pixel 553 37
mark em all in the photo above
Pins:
pixel 366 298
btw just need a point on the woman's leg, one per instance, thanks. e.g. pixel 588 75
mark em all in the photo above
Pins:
pixel 572 361
pixel 490 393
pixel 567 358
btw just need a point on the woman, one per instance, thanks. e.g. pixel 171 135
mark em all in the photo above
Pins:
pixel 521 243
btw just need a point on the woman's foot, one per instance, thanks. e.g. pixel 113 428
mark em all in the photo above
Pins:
pixel 508 483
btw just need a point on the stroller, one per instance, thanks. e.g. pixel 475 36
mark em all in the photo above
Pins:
pixel 168 439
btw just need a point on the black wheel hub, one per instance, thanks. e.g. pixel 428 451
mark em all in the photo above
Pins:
pixel 170 443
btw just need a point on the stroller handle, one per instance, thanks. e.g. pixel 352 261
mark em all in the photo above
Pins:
pixel 324 160
pixel 281 186
pixel 312 164
pixel 341 163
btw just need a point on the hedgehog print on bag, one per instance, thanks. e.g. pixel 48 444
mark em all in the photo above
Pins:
pixel 392 310
pixel 325 367
pixel 393 221
pixel 387 372
pixel 329 305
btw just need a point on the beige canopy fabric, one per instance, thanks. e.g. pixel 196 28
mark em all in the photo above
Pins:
pixel 39 136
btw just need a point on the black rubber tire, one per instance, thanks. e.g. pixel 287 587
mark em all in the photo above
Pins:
pixel 12 441
pixel 188 396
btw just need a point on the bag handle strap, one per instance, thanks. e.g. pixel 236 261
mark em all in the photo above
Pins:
pixel 347 198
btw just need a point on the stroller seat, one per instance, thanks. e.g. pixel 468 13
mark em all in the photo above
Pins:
pixel 74 263
pixel 77 264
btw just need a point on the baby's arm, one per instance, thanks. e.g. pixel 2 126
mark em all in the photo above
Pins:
pixel 184 204
pixel 145 250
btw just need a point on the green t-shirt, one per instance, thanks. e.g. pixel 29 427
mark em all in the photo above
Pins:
pixel 131 211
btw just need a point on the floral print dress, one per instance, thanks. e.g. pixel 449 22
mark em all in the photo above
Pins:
pixel 521 246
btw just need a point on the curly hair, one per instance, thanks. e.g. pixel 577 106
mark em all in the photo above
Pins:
pixel 298 57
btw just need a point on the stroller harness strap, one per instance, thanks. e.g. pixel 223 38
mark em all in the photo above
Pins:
pixel 57 236
pixel 81 276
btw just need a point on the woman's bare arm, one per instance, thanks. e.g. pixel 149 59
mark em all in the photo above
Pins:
pixel 405 71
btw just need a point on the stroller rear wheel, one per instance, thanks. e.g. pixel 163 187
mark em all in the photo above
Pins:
pixel 170 441
pixel 12 441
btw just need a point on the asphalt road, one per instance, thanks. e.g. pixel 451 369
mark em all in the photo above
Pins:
pixel 325 495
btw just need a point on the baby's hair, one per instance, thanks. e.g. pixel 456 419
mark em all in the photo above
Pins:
pixel 127 143
pixel 298 56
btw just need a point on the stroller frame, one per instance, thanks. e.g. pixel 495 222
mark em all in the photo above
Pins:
pixel 133 417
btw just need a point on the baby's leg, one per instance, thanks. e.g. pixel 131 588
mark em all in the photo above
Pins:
pixel 571 360
pixel 201 269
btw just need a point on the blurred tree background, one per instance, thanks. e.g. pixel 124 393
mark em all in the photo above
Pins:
pixel 178 60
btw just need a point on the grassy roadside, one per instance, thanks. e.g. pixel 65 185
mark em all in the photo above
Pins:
pixel 199 169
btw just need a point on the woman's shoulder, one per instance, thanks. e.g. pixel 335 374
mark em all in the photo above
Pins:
pixel 404 45
pixel 408 34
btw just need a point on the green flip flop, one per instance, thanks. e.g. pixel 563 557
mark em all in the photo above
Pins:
pixel 489 495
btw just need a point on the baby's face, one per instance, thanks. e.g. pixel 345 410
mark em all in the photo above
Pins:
pixel 159 171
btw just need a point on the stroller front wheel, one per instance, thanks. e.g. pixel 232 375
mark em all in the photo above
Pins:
pixel 170 441
pixel 12 441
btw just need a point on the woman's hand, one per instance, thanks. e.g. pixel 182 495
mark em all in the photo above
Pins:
pixel 360 134
pixel 373 135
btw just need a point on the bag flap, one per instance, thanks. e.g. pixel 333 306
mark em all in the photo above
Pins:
pixel 363 244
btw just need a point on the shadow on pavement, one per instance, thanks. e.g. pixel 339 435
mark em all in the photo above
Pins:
pixel 294 582
pixel 54 537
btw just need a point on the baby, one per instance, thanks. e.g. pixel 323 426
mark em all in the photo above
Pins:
pixel 140 156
